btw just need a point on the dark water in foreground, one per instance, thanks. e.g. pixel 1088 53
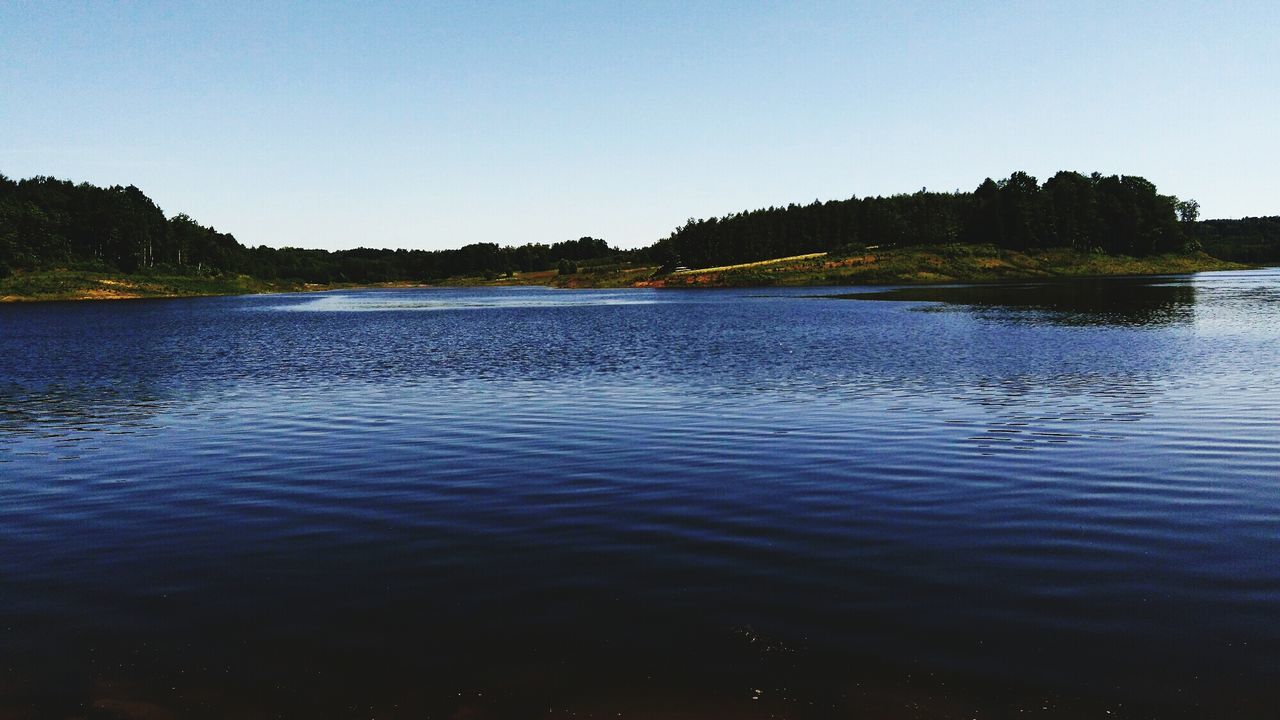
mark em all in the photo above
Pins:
pixel 527 502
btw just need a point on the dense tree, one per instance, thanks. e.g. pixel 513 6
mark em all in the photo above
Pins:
pixel 1116 214
pixel 1072 209
pixel 1251 239
pixel 45 222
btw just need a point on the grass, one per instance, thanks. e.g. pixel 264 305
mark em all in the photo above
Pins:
pixel 758 264
pixel 62 284
pixel 940 264
pixel 893 266
pixel 603 276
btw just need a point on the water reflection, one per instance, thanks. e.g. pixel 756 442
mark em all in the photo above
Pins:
pixel 1108 301
pixel 420 299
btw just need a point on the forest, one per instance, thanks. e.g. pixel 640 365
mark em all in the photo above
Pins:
pixel 47 223
pixel 1247 240
pixel 50 223
pixel 1111 214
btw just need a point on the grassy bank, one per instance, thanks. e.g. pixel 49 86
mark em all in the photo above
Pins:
pixel 913 265
pixel 85 285
pixel 939 264
pixel 893 266
pixel 607 276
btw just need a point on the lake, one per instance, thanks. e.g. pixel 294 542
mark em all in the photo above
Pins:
pixel 1062 499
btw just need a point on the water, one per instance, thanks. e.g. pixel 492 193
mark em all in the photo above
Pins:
pixel 1061 500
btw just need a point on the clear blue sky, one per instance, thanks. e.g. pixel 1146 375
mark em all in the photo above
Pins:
pixel 424 125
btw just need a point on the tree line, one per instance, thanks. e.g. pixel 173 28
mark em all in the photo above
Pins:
pixel 1117 214
pixel 46 222
pixel 1247 240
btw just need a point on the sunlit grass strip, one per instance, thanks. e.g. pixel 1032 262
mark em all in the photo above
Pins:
pixel 758 263
pixel 62 284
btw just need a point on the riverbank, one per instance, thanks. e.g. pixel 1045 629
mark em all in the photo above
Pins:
pixel 892 266
pixel 941 264
pixel 62 284
pixel 912 265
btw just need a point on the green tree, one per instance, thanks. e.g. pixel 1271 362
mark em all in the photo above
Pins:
pixel 1188 210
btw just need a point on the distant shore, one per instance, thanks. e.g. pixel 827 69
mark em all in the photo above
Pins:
pixel 67 285
pixel 892 266
pixel 909 265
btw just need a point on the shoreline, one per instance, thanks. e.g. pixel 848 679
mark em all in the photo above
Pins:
pixel 912 265
pixel 115 287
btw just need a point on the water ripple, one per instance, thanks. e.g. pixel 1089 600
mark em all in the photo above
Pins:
pixel 396 468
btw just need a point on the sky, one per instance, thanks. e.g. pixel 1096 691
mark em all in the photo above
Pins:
pixel 423 125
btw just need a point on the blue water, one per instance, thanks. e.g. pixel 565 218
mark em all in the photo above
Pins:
pixel 749 503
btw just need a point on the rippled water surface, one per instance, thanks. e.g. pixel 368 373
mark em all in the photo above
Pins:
pixel 1058 499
